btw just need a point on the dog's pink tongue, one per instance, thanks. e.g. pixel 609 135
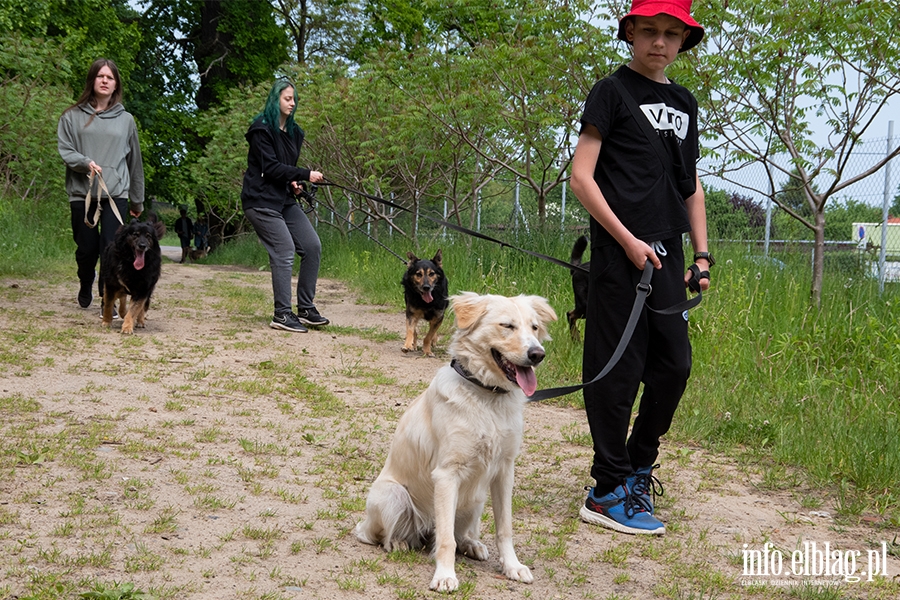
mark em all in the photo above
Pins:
pixel 139 261
pixel 526 379
pixel 427 297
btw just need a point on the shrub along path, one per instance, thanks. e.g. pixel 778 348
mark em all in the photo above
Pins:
pixel 211 457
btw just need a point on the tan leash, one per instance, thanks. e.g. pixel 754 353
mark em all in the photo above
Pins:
pixel 87 200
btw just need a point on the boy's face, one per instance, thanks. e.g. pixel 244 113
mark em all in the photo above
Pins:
pixel 656 39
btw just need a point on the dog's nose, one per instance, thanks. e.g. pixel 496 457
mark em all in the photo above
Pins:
pixel 536 354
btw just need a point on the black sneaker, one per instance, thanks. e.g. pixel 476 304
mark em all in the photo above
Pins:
pixel 287 321
pixel 85 296
pixel 311 317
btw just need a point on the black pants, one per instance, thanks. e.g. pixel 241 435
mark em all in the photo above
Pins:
pixel 90 242
pixel 659 356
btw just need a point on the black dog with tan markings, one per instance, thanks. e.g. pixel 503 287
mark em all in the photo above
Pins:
pixel 130 267
pixel 580 284
pixel 425 292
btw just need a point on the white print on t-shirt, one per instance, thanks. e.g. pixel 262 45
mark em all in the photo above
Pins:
pixel 666 119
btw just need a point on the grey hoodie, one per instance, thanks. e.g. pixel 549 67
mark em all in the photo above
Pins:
pixel 111 141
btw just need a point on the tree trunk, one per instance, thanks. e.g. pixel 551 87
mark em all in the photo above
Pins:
pixel 542 208
pixel 210 53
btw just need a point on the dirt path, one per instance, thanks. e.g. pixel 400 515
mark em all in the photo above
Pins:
pixel 210 457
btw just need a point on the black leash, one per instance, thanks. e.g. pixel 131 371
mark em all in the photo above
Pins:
pixel 643 290
pixel 358 228
pixel 456 227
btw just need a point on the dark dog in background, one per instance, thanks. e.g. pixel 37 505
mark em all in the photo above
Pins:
pixel 198 253
pixel 425 292
pixel 130 267
pixel 580 281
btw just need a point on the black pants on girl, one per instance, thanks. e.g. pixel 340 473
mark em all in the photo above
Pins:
pixel 90 242
pixel 659 356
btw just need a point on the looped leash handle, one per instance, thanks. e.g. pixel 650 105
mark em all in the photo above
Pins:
pixel 696 276
pixel 87 200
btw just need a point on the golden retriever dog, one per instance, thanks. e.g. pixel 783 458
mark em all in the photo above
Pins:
pixel 460 439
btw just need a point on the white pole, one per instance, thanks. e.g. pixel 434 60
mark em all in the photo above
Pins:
pixel 516 209
pixel 768 222
pixel 478 210
pixel 562 220
pixel 885 208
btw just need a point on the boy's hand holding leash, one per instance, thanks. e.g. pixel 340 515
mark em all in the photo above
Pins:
pixel 640 252
pixel 697 277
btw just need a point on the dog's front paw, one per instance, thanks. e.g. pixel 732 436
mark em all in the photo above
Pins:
pixel 473 549
pixel 406 349
pixel 444 581
pixel 518 572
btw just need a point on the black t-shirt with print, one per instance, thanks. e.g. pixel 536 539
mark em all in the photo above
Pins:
pixel 636 186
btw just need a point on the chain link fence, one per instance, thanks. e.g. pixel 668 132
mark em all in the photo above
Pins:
pixel 862 221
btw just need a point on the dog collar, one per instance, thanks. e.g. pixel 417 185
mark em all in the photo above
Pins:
pixel 469 377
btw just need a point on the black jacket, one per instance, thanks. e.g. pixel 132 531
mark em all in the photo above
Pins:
pixel 270 167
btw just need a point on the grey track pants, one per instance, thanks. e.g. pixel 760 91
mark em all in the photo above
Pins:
pixel 284 234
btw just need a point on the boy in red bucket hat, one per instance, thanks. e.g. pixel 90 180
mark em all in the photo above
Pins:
pixel 634 170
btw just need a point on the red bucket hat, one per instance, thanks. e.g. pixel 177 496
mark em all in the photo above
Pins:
pixel 680 9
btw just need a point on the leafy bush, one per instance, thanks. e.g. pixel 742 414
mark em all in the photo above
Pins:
pixel 32 96
pixel 732 216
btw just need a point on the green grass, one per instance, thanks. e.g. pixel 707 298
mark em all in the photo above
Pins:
pixel 36 238
pixel 773 378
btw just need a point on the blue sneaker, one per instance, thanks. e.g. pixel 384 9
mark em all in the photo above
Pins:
pixel 645 487
pixel 620 510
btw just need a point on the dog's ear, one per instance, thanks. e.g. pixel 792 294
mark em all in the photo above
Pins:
pixel 437 258
pixel 412 259
pixel 160 229
pixel 468 308
pixel 543 309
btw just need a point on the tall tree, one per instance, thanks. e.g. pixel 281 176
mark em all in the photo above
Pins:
pixel 511 97
pixel 229 52
pixel 161 95
pixel 773 67
pixel 323 31
pixel 86 30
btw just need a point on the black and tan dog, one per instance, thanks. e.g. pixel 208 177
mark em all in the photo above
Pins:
pixel 130 267
pixel 198 253
pixel 580 282
pixel 425 291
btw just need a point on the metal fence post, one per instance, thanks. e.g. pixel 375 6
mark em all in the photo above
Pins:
pixel 478 210
pixel 885 208
pixel 562 220
pixel 768 221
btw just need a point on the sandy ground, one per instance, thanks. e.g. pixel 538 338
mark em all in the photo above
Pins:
pixel 211 457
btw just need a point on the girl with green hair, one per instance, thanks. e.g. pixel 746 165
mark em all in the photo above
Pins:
pixel 269 199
